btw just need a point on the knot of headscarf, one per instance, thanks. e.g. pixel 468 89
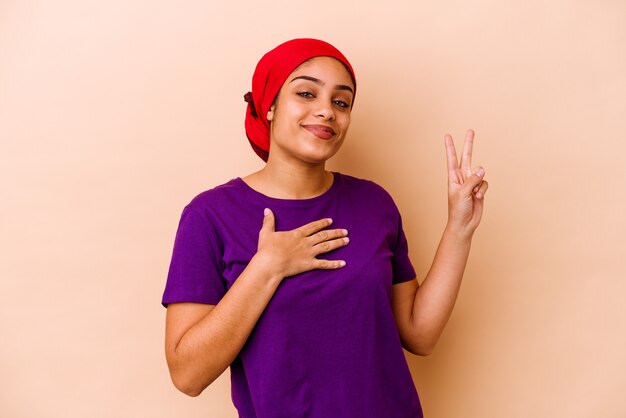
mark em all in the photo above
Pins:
pixel 269 76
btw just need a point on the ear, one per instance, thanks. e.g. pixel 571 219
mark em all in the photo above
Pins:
pixel 270 113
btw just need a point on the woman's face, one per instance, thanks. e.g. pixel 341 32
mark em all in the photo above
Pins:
pixel 311 115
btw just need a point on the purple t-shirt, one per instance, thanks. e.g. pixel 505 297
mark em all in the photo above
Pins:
pixel 327 344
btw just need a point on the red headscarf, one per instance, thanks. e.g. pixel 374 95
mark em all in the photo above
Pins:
pixel 270 75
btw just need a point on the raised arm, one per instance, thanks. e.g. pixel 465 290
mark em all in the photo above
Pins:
pixel 201 341
pixel 422 312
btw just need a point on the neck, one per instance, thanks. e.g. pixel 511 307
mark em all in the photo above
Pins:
pixel 291 181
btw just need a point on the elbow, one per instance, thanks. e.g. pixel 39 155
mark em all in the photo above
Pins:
pixel 189 385
pixel 420 348
pixel 422 351
pixel 191 392
pixel 187 378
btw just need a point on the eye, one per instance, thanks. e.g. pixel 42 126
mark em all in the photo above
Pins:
pixel 341 103
pixel 305 94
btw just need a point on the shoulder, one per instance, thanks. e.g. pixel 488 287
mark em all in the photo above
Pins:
pixel 364 188
pixel 216 196
pixel 207 207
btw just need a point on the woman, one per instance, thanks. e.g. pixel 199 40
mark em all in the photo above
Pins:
pixel 299 278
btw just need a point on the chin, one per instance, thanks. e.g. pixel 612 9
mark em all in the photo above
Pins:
pixel 316 155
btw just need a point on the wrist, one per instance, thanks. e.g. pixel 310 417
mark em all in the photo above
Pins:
pixel 264 267
pixel 459 233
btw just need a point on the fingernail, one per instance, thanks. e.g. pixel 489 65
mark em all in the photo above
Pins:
pixel 266 211
pixel 346 240
pixel 480 172
pixel 330 221
pixel 342 263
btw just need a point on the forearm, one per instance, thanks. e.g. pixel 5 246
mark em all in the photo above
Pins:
pixel 433 301
pixel 436 296
pixel 203 340
pixel 207 348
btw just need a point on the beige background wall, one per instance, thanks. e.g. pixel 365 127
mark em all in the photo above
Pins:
pixel 113 115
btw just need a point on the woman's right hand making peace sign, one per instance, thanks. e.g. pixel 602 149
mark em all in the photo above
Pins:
pixel 466 187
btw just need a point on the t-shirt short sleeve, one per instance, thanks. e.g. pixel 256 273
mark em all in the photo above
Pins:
pixel 195 273
pixel 403 270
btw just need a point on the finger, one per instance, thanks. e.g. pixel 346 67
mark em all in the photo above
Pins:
pixel 479 205
pixel 473 181
pixel 466 154
pixel 326 246
pixel 269 222
pixel 315 226
pixel 475 170
pixel 482 190
pixel 477 187
pixel 328 264
pixel 451 156
pixel 327 235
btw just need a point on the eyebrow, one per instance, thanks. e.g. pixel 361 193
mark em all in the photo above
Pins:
pixel 319 82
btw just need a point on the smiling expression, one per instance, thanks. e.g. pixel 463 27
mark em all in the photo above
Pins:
pixel 311 114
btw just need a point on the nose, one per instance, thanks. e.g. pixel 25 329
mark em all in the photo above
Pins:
pixel 325 110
